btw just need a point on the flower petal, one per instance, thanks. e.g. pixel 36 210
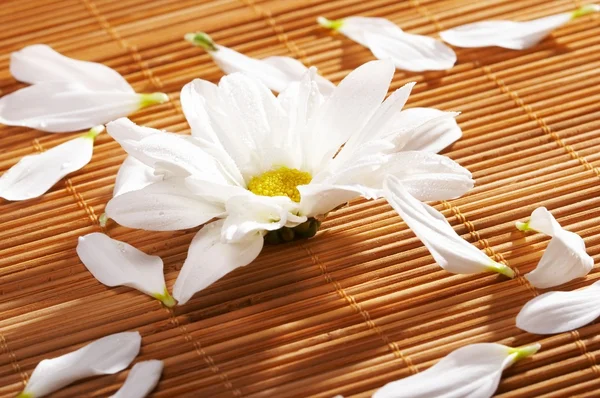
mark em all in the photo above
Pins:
pixel 167 153
pixel 319 199
pixel 39 63
pixel 35 174
pixel 424 129
pixel 565 257
pixel 142 379
pixel 295 70
pixel 116 263
pixel 63 107
pixel 275 72
pixel 510 34
pixel 347 110
pixel 428 176
pixel 449 250
pixel 381 122
pixel 133 175
pixel 557 312
pixel 163 206
pixel 251 213
pixel 470 371
pixel 407 51
pixel 108 355
pixel 209 260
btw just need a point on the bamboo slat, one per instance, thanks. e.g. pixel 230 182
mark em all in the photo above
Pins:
pixel 361 304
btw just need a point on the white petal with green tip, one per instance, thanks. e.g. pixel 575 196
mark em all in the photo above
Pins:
pixel 116 263
pixel 472 371
pixel 511 34
pixel 557 312
pixel 63 107
pixel 35 174
pixel 449 250
pixel 565 257
pixel 142 379
pixel 108 355
pixel 275 72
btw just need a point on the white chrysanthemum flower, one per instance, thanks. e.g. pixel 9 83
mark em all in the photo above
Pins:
pixel 565 257
pixel 275 72
pixel 35 174
pixel 107 355
pixel 510 34
pixel 67 94
pixel 142 379
pixel 271 167
pixel 415 53
pixel 557 312
pixel 472 371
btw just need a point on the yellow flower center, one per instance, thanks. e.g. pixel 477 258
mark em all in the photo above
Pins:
pixel 280 182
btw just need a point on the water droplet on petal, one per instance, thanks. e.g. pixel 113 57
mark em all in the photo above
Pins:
pixel 65 165
pixel 161 213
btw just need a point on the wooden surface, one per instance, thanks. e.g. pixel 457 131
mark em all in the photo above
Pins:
pixel 362 303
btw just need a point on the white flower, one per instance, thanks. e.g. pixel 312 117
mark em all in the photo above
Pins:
pixel 564 259
pixel 449 250
pixel 266 164
pixel 386 40
pixel 275 72
pixel 510 34
pixel 557 312
pixel 142 379
pixel 67 94
pixel 116 263
pixel 108 355
pixel 35 174
pixel 471 371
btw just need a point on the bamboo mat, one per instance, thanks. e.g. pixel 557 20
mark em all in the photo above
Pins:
pixel 362 303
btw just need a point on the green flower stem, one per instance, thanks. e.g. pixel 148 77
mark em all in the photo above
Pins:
pixel 24 394
pixel 524 352
pixel 152 99
pixel 502 269
pixel 333 24
pixel 165 298
pixel 201 39
pixel 93 133
pixel 585 10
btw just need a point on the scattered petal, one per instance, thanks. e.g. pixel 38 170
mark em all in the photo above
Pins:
pixel 415 53
pixel 449 250
pixel 209 260
pixel 35 174
pixel 64 107
pixel 108 355
pixel 564 259
pixel 142 379
pixel 510 34
pixel 116 263
pixel 557 312
pixel 162 206
pixel 39 63
pixel 275 72
pixel 470 371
